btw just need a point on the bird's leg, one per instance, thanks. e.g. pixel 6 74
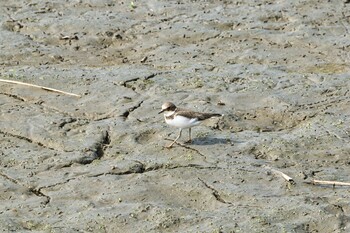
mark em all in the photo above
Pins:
pixel 175 139
pixel 189 136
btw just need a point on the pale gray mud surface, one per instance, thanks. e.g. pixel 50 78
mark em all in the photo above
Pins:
pixel 278 70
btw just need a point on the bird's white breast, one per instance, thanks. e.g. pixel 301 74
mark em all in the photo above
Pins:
pixel 182 122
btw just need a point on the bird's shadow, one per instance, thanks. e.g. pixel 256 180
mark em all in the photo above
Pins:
pixel 202 141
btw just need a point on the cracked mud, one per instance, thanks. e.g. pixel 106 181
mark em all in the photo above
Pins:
pixel 278 71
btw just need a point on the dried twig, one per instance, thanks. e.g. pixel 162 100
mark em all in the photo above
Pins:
pixel 41 87
pixel 325 182
pixel 183 145
pixel 215 192
pixel 286 177
pixel 178 143
pixel 187 147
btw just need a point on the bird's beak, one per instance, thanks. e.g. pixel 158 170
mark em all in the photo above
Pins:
pixel 161 111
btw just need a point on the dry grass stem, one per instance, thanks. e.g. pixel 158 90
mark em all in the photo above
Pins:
pixel 334 183
pixel 286 177
pixel 41 87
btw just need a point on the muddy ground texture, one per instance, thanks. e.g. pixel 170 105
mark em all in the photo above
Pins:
pixel 278 70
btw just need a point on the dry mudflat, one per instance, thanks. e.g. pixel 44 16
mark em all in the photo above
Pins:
pixel 277 70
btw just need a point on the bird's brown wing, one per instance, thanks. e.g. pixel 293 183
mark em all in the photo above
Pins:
pixel 199 115
pixel 204 116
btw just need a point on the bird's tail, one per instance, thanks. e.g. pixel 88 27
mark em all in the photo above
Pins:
pixel 205 116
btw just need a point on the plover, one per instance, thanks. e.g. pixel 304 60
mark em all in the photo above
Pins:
pixel 183 119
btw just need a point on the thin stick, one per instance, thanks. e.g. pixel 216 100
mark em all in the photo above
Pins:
pixel 180 144
pixel 334 183
pixel 41 87
pixel 286 177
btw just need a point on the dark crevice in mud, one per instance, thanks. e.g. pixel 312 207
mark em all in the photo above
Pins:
pixel 64 165
pixel 142 168
pixel 97 152
pixel 105 117
pixel 14 96
pixel 67 121
pixel 210 38
pixel 124 84
pixel 54 185
pixel 36 192
pixel 9 178
pixel 26 139
pixel 92 156
pixel 136 168
pixel 106 140
pixel 325 102
pixel 130 110
pixel 39 193
pixel 215 193
pixel 175 166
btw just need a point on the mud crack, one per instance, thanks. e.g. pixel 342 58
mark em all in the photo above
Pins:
pixel 130 110
pixel 66 122
pixel 215 192
pixel 97 152
pixel 36 192
pixel 124 84
pixel 106 140
pixel 325 103
pixel 134 169
pixel 26 139
pixel 39 193
pixel 9 178
pixel 140 167
pixel 14 96
pixel 175 166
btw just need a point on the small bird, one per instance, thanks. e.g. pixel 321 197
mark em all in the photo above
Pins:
pixel 182 118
